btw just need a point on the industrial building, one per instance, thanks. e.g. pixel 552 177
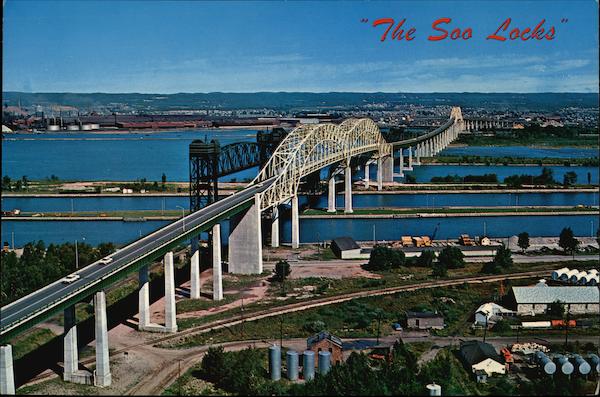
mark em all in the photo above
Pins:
pixel 536 299
pixel 489 313
pixel 345 248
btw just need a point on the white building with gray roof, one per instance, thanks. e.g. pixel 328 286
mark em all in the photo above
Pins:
pixel 535 299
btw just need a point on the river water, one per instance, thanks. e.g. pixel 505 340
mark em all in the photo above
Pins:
pixel 127 157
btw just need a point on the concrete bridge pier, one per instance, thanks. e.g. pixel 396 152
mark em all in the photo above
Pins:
pixel 418 150
pixel 410 159
pixel 7 376
pixel 296 222
pixel 144 299
pixel 71 372
pixel 217 264
pixel 366 179
pixel 387 166
pixel 102 376
pixel 245 241
pixel 348 188
pixel 195 271
pixel 275 227
pixel 379 173
pixel 401 173
pixel 144 323
pixel 331 195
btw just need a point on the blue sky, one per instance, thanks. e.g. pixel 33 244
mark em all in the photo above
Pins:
pixel 198 46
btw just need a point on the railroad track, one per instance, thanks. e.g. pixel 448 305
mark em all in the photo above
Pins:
pixel 300 306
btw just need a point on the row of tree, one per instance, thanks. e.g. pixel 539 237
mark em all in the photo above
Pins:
pixel 39 266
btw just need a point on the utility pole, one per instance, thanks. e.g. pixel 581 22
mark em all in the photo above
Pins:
pixel 485 329
pixel 374 240
pixel 242 318
pixel 378 326
pixel 12 236
pixel 567 326
pixel 281 331
pixel 76 256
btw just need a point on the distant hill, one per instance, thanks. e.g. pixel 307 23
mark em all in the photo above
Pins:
pixel 299 100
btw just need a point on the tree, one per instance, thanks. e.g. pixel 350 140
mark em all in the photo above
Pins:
pixel 502 261
pixel 502 326
pixel 567 241
pixel 213 367
pixel 556 309
pixel 439 269
pixel 282 270
pixel 452 258
pixel 570 178
pixel 409 178
pixel 385 258
pixel 523 242
pixel 6 183
pixel 163 178
pixel 426 259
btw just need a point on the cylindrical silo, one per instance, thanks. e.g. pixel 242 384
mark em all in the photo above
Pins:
pixel 577 277
pixel 594 280
pixel 275 362
pixel 567 276
pixel 53 127
pixel 291 360
pixel 73 127
pixel 308 365
pixel 563 363
pixel 434 390
pixel 557 273
pixel 582 366
pixel 324 362
pixel 545 363
pixel 595 360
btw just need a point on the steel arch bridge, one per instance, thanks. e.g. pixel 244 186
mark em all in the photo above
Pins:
pixel 309 148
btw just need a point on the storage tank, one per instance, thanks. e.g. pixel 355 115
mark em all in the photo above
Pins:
pixel 545 363
pixel 594 280
pixel 275 362
pixel 434 390
pixel 324 362
pixel 557 273
pixel 577 277
pixel 73 127
pixel 582 366
pixel 563 363
pixel 567 275
pixel 95 126
pixel 308 365
pixel 593 271
pixel 53 127
pixel 291 360
pixel 595 360
pixel 86 127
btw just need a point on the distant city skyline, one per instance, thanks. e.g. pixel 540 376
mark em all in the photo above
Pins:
pixel 181 46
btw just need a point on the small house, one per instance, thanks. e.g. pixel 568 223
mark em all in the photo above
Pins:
pixel 424 320
pixel 482 359
pixel 324 341
pixel 489 313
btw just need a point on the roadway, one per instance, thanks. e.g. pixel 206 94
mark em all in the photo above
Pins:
pixel 42 300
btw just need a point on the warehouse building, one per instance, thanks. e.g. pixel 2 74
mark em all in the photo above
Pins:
pixel 536 299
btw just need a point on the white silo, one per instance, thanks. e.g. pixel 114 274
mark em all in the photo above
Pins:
pixel 545 363
pixel 582 366
pixel 557 273
pixel 563 363
pixel 576 278
pixel 567 275
pixel 595 360
pixel 594 280
pixel 434 390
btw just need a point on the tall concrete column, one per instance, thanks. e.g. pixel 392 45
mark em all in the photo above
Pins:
pixel 331 195
pixel 379 173
pixel 170 308
pixel 410 162
pixel 401 173
pixel 217 267
pixel 7 376
pixel 295 222
pixel 418 154
pixel 71 356
pixel 348 189
pixel 102 375
pixel 367 176
pixel 245 241
pixel 195 273
pixel 388 168
pixel 143 299
pixel 275 227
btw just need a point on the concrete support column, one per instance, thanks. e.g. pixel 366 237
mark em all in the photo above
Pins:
pixel 144 299
pixel 418 154
pixel 71 356
pixel 410 161
pixel 195 273
pixel 7 376
pixel 217 266
pixel 170 308
pixel 295 222
pixel 367 176
pixel 401 173
pixel 275 227
pixel 102 375
pixel 388 168
pixel 348 189
pixel 245 241
pixel 331 195
pixel 379 173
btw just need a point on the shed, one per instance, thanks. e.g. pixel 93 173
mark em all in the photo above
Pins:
pixel 424 320
pixel 345 248
pixel 481 356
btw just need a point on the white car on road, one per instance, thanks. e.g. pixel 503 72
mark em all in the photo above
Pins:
pixel 70 278
pixel 105 261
